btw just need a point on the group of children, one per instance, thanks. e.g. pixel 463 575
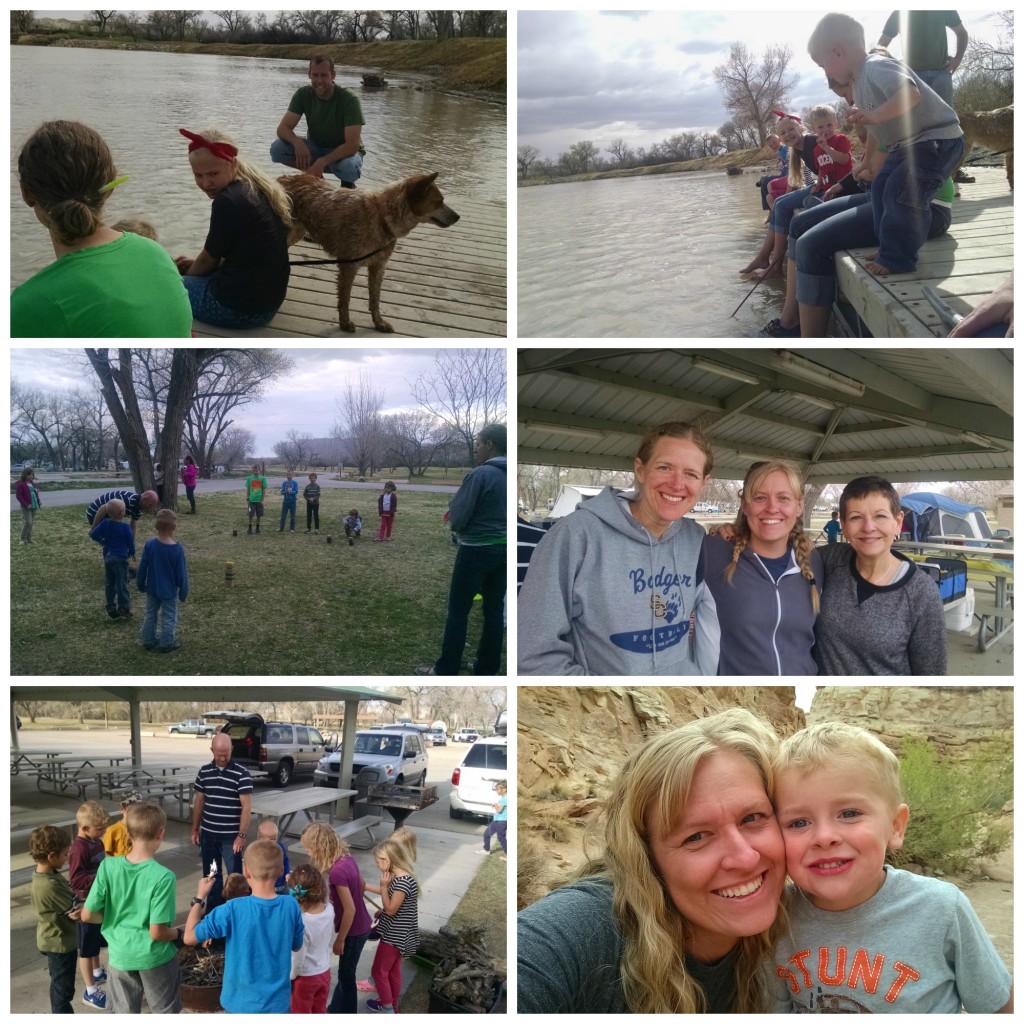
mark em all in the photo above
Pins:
pixel 278 929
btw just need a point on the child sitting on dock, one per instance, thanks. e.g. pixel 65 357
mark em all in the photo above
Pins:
pixel 132 900
pixel 56 926
pixel 921 133
pixel 311 965
pixel 262 932
pixel 240 277
pixel 832 153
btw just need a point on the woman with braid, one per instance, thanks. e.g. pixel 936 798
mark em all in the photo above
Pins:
pixel 766 579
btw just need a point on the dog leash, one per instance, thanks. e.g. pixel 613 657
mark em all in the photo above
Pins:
pixel 358 259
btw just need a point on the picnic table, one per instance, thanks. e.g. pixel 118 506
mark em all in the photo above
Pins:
pixel 1000 577
pixel 282 806
pixel 24 755
pixel 63 773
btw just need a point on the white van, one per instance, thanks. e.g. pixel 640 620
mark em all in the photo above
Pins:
pixel 473 782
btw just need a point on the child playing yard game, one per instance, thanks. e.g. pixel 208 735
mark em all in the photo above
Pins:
pixel 118 542
pixel 262 931
pixel 255 490
pixel 163 578
pixel 387 506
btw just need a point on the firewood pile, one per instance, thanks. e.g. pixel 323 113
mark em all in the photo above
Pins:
pixel 466 974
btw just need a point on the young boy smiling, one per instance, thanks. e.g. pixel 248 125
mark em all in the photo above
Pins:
pixel 865 937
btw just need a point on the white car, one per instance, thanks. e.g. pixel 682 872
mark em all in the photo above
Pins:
pixel 466 736
pixel 473 782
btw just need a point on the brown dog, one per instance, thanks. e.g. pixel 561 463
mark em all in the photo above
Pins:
pixel 362 226
pixel 992 129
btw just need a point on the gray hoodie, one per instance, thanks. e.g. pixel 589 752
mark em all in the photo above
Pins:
pixel 605 597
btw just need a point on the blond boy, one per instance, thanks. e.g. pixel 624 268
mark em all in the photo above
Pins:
pixel 865 937
pixel 84 861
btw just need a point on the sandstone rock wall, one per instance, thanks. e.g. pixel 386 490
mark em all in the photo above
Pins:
pixel 957 719
pixel 572 740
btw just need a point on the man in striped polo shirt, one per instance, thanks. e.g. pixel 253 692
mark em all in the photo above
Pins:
pixel 220 814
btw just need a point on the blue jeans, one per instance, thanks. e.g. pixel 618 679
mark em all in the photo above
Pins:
pixel 478 570
pixel 786 207
pixel 190 493
pixel 115 575
pixel 210 310
pixel 496 828
pixel 940 82
pixel 63 976
pixel 346 995
pixel 166 609
pixel 349 169
pixel 288 509
pixel 217 849
pixel 901 198
pixel 763 182
pixel 844 223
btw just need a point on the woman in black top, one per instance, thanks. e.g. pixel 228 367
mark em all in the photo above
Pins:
pixel 240 277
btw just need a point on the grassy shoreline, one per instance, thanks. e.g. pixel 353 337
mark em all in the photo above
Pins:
pixel 471 67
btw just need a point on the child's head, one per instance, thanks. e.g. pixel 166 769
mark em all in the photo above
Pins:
pixel 263 861
pixel 115 509
pixel 407 838
pixel 144 821
pixel 389 485
pixel 773 142
pixel 835 515
pixel 166 522
pixel 136 227
pixel 323 845
pixel 837 46
pixel 353 513
pixel 823 121
pixel 312 478
pixel 307 885
pixel 289 474
pixel 839 804
pixel 235 885
pixel 501 788
pixel 49 844
pixel 268 830
pixel 392 855
pixel 92 820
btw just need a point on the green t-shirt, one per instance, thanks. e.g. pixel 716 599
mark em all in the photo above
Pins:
pixel 131 898
pixel 257 486
pixel 128 288
pixel 326 120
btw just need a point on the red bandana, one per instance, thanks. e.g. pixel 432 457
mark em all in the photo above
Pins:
pixel 223 150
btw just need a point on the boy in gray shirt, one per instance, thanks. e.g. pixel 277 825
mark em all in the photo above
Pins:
pixel 865 937
pixel 920 131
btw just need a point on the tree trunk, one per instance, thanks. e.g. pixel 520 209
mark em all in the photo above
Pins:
pixel 185 369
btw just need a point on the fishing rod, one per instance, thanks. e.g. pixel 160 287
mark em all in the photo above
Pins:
pixel 771 266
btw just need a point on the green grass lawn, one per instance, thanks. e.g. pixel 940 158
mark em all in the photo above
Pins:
pixel 298 605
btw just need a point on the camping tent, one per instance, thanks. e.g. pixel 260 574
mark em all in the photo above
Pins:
pixel 926 514
pixel 569 497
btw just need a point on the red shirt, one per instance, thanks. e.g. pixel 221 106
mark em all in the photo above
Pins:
pixel 828 172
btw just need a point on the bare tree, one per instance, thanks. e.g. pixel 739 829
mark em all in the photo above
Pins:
pixel 620 150
pixel 525 156
pixel 465 390
pixel 235 22
pixel 753 87
pixel 410 439
pixel 234 446
pixel 22 22
pixel 102 17
pixel 359 408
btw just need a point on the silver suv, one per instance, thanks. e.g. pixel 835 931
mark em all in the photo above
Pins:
pixel 283 749
pixel 398 752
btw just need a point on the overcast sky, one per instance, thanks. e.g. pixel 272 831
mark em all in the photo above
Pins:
pixel 645 76
pixel 305 401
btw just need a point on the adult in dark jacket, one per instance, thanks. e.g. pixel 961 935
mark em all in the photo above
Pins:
pixel 478 516
pixel 766 580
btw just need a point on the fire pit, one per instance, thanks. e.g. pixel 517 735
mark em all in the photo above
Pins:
pixel 399 800
pixel 202 974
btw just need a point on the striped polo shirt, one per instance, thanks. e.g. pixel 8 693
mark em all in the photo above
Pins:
pixel 221 787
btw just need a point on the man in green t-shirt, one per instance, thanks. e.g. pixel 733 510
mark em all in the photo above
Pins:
pixel 334 125
pixel 255 490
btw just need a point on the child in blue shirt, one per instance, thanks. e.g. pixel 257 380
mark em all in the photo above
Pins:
pixel 262 932
pixel 118 546
pixel 290 490
pixel 499 823
pixel 163 578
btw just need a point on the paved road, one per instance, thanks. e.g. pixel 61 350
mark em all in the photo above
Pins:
pixel 58 499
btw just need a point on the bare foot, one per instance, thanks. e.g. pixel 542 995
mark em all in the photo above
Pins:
pixel 759 262
pixel 877 269
pixel 872 255
pixel 770 275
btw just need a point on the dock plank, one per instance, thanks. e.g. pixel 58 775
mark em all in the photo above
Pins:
pixel 438 284
pixel 962 266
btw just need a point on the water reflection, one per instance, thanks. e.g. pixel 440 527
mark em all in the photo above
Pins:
pixel 139 100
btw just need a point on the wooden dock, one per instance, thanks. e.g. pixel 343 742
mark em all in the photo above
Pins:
pixel 440 283
pixel 963 266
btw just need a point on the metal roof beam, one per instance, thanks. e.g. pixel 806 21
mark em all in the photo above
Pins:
pixel 923 475
pixel 540 419
pixel 904 454
pixel 989 372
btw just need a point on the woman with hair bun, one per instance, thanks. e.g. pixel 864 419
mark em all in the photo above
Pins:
pixel 104 283
pixel 679 913
pixel 240 277
pixel 617 587
pixel 767 578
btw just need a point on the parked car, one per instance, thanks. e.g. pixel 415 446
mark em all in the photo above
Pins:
pixel 284 749
pixel 473 782
pixel 398 752
pixel 466 736
pixel 193 727
pixel 438 736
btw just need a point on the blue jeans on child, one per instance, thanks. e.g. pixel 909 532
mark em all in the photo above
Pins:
pixel 210 310
pixel 346 995
pixel 288 509
pixel 63 977
pixel 349 169
pixel 166 609
pixel 496 828
pixel 901 198
pixel 786 207
pixel 115 574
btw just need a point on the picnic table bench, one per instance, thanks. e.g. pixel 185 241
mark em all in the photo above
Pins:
pixel 349 828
